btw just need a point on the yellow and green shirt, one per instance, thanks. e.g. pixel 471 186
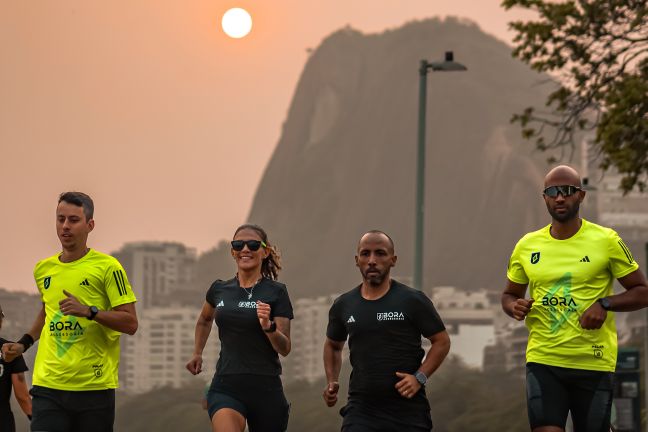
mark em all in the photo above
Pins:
pixel 565 277
pixel 77 353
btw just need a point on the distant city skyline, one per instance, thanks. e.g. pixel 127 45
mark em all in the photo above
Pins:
pixel 165 121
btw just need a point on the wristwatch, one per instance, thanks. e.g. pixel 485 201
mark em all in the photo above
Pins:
pixel 605 303
pixel 420 377
pixel 272 328
pixel 93 312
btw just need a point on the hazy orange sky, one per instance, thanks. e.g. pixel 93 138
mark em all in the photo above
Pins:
pixel 148 107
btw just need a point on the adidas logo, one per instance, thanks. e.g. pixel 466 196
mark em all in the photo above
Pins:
pixel 85 282
pixel 220 304
pixel 351 319
pixel 585 259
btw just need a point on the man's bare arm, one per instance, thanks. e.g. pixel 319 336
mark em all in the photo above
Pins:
pixel 635 297
pixel 513 302
pixel 408 385
pixel 122 318
pixel 332 366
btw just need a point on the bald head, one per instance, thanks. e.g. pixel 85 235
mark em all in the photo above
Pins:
pixel 562 175
pixel 377 235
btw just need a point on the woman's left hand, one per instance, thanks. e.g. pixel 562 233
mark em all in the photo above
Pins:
pixel 263 313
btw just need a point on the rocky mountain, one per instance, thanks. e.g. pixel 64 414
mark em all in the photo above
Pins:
pixel 345 162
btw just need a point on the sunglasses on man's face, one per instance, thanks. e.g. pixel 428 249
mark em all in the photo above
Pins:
pixel 565 191
pixel 253 245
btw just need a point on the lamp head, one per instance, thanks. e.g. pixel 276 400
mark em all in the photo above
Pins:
pixel 448 64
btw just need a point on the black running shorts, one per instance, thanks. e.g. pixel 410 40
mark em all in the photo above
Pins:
pixel 72 411
pixel 554 391
pixel 357 420
pixel 259 398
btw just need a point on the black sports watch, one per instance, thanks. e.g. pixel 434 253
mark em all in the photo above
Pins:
pixel 93 312
pixel 272 328
pixel 605 303
pixel 420 377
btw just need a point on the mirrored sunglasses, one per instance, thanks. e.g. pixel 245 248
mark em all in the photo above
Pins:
pixel 565 191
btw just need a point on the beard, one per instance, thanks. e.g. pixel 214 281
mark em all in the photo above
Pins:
pixel 375 278
pixel 572 212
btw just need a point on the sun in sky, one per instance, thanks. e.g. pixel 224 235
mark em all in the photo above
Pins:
pixel 236 23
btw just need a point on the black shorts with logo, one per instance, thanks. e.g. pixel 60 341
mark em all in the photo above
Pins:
pixel 554 391
pixel 258 398
pixel 72 411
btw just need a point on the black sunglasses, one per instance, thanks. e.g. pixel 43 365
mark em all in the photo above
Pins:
pixel 565 191
pixel 253 245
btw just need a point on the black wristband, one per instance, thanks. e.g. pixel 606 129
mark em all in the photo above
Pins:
pixel 26 340
pixel 272 328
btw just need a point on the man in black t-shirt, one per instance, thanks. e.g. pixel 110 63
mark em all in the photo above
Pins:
pixel 12 377
pixel 384 321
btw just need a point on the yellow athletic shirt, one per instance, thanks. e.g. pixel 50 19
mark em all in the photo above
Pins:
pixel 77 353
pixel 565 277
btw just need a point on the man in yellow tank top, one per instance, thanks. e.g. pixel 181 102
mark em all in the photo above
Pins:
pixel 87 304
pixel 569 267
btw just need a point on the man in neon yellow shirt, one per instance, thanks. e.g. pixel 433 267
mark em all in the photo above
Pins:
pixel 87 304
pixel 569 267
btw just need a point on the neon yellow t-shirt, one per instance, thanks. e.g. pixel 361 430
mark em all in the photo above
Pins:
pixel 565 277
pixel 77 353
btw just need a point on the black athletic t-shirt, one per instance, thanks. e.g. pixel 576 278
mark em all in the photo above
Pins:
pixel 245 348
pixel 385 338
pixel 6 370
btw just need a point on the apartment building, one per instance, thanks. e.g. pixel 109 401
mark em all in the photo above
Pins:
pixel 157 354
pixel 157 270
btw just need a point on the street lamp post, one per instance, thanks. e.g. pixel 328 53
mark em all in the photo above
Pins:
pixel 447 65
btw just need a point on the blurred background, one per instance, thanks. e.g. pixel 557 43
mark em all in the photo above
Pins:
pixel 307 126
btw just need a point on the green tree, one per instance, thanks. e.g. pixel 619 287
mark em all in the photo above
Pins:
pixel 598 51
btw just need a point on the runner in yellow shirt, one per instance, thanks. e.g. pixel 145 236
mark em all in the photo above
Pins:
pixel 569 267
pixel 87 304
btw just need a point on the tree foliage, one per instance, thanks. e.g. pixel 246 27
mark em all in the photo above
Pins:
pixel 598 50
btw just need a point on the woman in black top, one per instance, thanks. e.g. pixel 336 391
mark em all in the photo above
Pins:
pixel 253 313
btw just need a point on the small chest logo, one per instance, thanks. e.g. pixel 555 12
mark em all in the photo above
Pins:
pixel 220 304
pixel 535 257
pixel 247 305
pixel 585 259
pixel 351 319
pixel 98 370
pixel 390 316
pixel 85 283
pixel 46 282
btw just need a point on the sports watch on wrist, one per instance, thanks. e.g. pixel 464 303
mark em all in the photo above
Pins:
pixel 605 303
pixel 93 312
pixel 272 328
pixel 420 377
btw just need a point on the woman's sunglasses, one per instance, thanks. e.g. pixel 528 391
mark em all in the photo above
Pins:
pixel 253 245
pixel 565 191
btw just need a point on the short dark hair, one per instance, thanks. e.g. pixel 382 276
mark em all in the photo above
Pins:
pixel 391 242
pixel 79 199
